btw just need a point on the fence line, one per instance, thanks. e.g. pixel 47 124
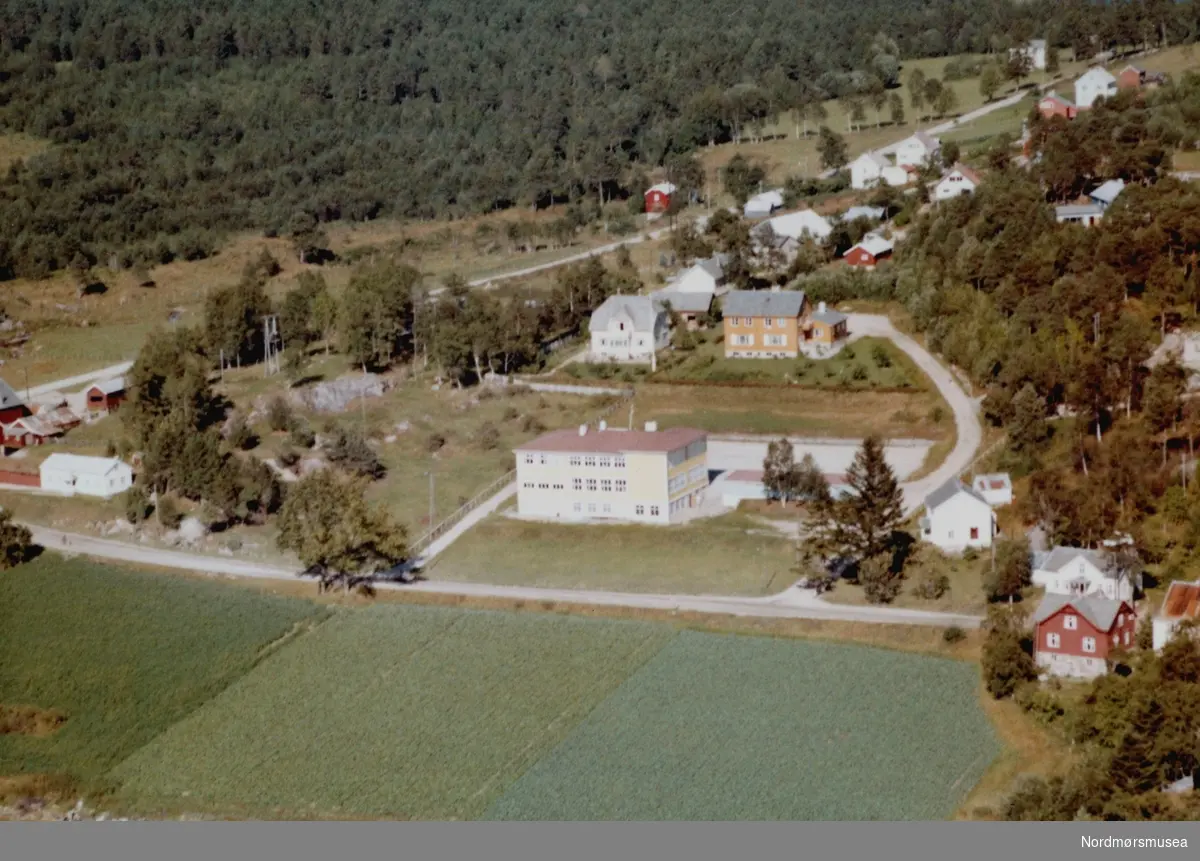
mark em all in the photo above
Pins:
pixel 462 511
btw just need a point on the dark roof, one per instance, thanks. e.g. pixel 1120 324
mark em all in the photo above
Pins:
pixel 1098 610
pixel 763 303
pixel 614 441
pixel 948 491
pixel 685 302
pixel 8 398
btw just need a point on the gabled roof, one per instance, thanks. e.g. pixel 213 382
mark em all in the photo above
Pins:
pixel 830 318
pixel 684 301
pixel 928 141
pixel 1055 97
pixel 948 491
pixel 873 244
pixel 763 303
pixel 1060 557
pixel 965 171
pixel 8 398
pixel 765 201
pixel 1097 609
pixel 1182 601
pixel 1108 192
pixel 1137 69
pixel 872 212
pixel 80 464
pixel 715 265
pixel 641 311
pixel 36 425
pixel 667 188
pixel 795 224
pixel 1098 75
pixel 877 160
pixel 1077 210
pixel 109 387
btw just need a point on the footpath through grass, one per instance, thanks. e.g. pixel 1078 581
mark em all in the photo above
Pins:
pixel 727 555
pixel 123 655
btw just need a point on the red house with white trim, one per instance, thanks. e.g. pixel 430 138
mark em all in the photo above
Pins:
pixel 658 197
pixel 1076 633
pixel 869 252
pixel 1054 105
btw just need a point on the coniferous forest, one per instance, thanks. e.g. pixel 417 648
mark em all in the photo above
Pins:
pixel 174 121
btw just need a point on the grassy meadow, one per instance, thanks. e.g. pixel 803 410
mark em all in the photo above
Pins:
pixel 728 555
pixel 123 656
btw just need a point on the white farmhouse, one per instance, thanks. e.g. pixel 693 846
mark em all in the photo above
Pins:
pixel 628 329
pixel 959 180
pixel 995 487
pixel 763 204
pixel 1181 604
pixel 866 170
pixel 1077 571
pixel 957 517
pixel 1095 83
pixel 920 148
pixel 796 225
pixel 72 474
pixel 705 276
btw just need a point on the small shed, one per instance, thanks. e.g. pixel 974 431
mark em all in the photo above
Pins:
pixel 869 252
pixel 762 205
pixel 658 197
pixel 76 474
pixel 996 488
pixel 106 395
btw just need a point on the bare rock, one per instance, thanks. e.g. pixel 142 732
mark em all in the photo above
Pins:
pixel 336 396
pixel 403 427
pixel 192 530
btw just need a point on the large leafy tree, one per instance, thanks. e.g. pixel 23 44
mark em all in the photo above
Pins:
pixel 340 538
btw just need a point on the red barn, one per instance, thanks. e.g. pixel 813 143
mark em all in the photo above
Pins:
pixel 658 197
pixel 29 431
pixel 11 405
pixel 869 252
pixel 1076 634
pixel 106 395
pixel 1054 105
pixel 1131 78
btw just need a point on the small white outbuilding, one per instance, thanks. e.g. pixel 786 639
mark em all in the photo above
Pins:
pixel 77 474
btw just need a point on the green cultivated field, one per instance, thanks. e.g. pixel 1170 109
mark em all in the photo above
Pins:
pixel 124 655
pixel 724 727
pixel 410 712
pixel 414 713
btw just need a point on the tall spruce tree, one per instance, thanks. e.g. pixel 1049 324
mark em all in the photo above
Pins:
pixel 874 509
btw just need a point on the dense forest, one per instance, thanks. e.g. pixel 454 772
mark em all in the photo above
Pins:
pixel 174 121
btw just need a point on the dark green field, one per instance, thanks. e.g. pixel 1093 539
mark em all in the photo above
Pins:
pixel 123 654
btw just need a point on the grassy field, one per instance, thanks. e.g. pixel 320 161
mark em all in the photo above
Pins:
pixel 554 717
pixel 755 729
pixel 727 555
pixel 411 713
pixel 794 411
pixel 122 655
pixel 965 576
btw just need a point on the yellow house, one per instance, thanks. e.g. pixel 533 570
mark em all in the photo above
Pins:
pixel 763 324
pixel 827 327
pixel 645 476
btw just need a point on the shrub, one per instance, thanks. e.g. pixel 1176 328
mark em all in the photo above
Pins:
pixel 350 450
pixel 880 356
pixel 954 634
pixel 858 372
pixel 136 502
pixel 435 442
pixel 937 414
pixel 1042 704
pixel 15 541
pixel 488 437
pixel 531 424
pixel 288 457
pixel 240 435
pixel 301 435
pixel 168 511
pixel 510 414
pixel 931 586
pixel 279 414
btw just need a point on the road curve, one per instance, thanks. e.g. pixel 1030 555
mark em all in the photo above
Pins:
pixel 791 604
pixel 969 432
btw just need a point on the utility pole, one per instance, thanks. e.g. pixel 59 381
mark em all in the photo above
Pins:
pixel 1096 327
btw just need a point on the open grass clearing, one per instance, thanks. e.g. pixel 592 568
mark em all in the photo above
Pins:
pixel 121 656
pixel 717 728
pixel 17 146
pixel 728 555
pixel 408 713
pixel 965 577
pixel 794 411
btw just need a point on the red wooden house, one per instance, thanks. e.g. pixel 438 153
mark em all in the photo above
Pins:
pixel 28 431
pixel 1054 105
pixel 106 395
pixel 658 197
pixel 869 252
pixel 1131 78
pixel 1076 633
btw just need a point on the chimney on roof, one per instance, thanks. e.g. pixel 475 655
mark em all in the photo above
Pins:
pixel 820 307
pixel 583 430
pixel 651 427
pixel 603 425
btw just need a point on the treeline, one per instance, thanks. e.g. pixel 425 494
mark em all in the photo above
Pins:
pixel 175 122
